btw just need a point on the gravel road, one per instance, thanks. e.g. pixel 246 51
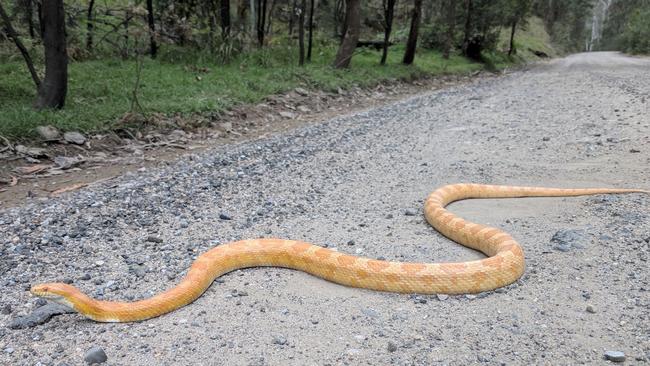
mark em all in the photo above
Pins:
pixel 353 183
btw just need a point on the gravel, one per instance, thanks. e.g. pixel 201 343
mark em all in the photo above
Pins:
pixel 352 178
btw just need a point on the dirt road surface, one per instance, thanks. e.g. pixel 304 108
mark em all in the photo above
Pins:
pixel 353 183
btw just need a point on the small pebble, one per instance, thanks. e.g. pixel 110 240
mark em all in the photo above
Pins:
pixel 615 356
pixel 95 355
pixel 442 297
pixel 410 212
pixel 591 309
pixel 392 347
pixel 224 216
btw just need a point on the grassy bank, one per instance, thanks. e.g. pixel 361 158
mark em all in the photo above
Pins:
pixel 100 92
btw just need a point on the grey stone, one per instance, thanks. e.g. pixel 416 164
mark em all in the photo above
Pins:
pixel 391 347
pixel 48 133
pixel 568 239
pixel 95 355
pixel 615 356
pixel 302 91
pixel 280 339
pixel 442 297
pixel 224 216
pixel 39 316
pixel 74 137
pixel 410 212
pixel 34 152
pixel 287 115
pixel 591 309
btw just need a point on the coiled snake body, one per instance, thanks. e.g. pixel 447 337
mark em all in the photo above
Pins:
pixel 504 263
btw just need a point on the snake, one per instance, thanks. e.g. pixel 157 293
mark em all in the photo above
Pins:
pixel 503 265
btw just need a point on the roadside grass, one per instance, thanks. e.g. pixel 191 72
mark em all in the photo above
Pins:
pixel 100 91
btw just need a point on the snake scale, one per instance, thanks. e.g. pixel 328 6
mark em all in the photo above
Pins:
pixel 504 263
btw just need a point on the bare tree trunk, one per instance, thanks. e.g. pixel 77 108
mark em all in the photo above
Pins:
pixel 261 21
pixel 29 13
pixel 301 32
pixel 292 13
pixel 225 18
pixel 411 43
pixel 512 38
pixel 351 36
pixel 451 27
pixel 11 32
pixel 52 92
pixel 89 26
pixel 468 26
pixel 311 29
pixel 389 7
pixel 153 45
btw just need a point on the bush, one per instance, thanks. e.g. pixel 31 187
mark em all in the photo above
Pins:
pixel 636 37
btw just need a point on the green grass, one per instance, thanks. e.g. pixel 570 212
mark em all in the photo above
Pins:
pixel 530 37
pixel 99 92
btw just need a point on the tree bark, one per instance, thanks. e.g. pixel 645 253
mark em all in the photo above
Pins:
pixel 311 29
pixel 89 26
pixel 389 7
pixel 29 13
pixel 153 45
pixel 11 32
pixel 512 38
pixel 468 26
pixel 292 13
pixel 411 43
pixel 225 18
pixel 451 28
pixel 261 21
pixel 301 32
pixel 53 89
pixel 351 36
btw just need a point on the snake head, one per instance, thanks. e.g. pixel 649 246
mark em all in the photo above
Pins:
pixel 59 293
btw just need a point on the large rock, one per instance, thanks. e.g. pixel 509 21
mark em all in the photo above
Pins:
pixel 74 137
pixel 39 316
pixel 48 133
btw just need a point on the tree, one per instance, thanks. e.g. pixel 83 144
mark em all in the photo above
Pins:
pixel 517 11
pixel 451 27
pixel 53 89
pixel 351 35
pixel 389 7
pixel 301 32
pixel 311 29
pixel 411 43
pixel 89 26
pixel 153 46
pixel 261 21
pixel 11 32
pixel 468 25
pixel 225 18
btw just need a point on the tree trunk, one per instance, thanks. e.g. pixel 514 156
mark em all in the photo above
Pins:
pixel 468 26
pixel 29 13
pixel 225 18
pixel 351 36
pixel 89 26
pixel 292 13
pixel 261 21
pixel 153 45
pixel 311 29
pixel 301 32
pixel 512 38
pixel 252 16
pixel 11 32
pixel 451 28
pixel 389 7
pixel 411 43
pixel 53 89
